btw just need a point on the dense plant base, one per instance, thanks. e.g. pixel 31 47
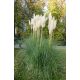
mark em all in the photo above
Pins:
pixel 39 62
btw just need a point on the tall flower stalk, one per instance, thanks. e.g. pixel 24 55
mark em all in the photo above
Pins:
pixel 51 26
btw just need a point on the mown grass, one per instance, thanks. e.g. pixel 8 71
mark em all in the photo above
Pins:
pixel 40 62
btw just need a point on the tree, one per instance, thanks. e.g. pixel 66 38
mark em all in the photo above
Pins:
pixel 20 16
pixel 36 6
pixel 57 8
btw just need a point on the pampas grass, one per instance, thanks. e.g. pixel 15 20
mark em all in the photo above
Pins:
pixel 39 60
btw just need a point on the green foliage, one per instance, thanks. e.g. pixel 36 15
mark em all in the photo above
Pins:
pixel 39 62
pixel 35 7
pixel 57 8
pixel 17 14
pixel 60 33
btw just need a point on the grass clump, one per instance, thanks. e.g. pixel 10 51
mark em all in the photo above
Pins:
pixel 39 61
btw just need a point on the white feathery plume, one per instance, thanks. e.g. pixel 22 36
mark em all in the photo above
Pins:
pixel 50 16
pixel 32 21
pixel 34 15
pixel 54 24
pixel 29 22
pixel 51 24
pixel 37 21
pixel 43 20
